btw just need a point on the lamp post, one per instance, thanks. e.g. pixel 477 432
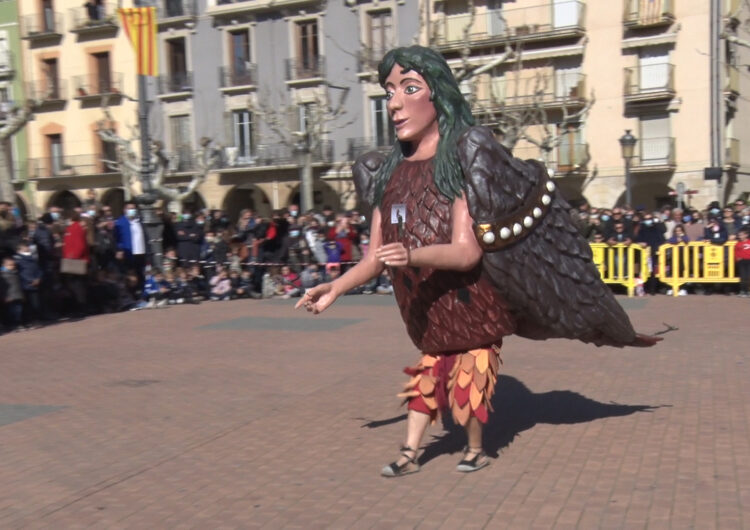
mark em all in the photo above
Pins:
pixel 627 145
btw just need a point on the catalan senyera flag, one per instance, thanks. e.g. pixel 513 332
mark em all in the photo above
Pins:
pixel 140 27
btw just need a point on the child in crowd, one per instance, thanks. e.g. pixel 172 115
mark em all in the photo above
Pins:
pixel 156 289
pixel 238 291
pixel 742 256
pixel 30 275
pixel 11 293
pixel 333 250
pixel 310 276
pixel 198 283
pixel 169 263
pixel 221 286
pixel 288 282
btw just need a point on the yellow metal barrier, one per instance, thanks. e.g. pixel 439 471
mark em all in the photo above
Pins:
pixel 622 264
pixel 696 262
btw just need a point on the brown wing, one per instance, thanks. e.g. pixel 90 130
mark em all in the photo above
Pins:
pixel 364 170
pixel 547 277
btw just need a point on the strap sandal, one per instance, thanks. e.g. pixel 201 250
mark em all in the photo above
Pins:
pixel 410 466
pixel 475 463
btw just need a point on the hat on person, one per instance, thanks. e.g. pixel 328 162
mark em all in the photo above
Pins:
pixel 47 219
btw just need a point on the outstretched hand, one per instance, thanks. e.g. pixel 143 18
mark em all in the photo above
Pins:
pixel 318 298
pixel 393 255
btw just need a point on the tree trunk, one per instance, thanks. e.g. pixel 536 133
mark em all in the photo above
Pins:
pixel 6 185
pixel 306 183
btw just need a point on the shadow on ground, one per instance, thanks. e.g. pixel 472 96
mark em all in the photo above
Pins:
pixel 517 409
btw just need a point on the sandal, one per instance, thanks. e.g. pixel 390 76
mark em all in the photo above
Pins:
pixel 477 462
pixel 395 469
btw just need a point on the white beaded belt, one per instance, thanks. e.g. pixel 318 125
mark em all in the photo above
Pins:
pixel 510 229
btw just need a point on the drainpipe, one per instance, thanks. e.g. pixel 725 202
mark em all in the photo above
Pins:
pixel 715 91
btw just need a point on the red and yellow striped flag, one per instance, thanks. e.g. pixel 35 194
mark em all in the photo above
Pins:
pixel 139 24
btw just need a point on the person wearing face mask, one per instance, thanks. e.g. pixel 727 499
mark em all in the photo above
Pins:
pixel 692 221
pixel 131 241
pixel 189 240
pixel 650 235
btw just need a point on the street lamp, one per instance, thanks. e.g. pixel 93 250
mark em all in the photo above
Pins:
pixel 627 144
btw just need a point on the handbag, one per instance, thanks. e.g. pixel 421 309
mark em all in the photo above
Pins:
pixel 78 267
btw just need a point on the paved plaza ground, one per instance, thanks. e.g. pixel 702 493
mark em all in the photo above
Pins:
pixel 247 414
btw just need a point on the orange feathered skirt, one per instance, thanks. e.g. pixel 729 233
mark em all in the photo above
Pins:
pixel 463 382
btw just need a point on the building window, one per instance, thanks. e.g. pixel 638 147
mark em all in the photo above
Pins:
pixel 655 141
pixel 239 57
pixel 177 64
pixel 55 149
pixel 108 152
pixel 48 16
pixel 242 129
pixel 382 129
pixel 380 31
pixel 307 48
pixel 179 129
pixel 5 63
pixel 569 153
pixel 51 78
pixel 653 67
pixel 102 72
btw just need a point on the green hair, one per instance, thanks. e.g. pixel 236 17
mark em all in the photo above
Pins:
pixel 453 115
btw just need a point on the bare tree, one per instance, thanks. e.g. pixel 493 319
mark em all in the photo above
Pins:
pixel 18 119
pixel 127 161
pixel 304 128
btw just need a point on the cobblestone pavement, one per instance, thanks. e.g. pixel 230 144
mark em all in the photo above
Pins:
pixel 246 414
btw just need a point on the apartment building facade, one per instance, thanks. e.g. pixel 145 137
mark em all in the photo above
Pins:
pixel 583 73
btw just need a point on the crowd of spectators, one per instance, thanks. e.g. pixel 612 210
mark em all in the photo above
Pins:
pixel 207 256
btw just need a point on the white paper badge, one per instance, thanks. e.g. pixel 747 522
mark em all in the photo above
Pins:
pixel 398 214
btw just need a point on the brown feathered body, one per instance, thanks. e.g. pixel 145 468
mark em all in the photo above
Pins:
pixel 545 285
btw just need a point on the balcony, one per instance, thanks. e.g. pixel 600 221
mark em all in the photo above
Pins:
pixel 67 166
pixel 50 96
pixel 549 91
pixel 7 71
pixel 732 153
pixel 368 59
pixel 88 87
pixel 235 7
pixel 732 81
pixel 305 69
pixel 649 83
pixel 231 79
pixel 647 15
pixel 42 29
pixel 274 155
pixel 97 21
pixel 654 155
pixel 359 146
pixel 179 84
pixel 566 159
pixel 543 22
pixel 169 12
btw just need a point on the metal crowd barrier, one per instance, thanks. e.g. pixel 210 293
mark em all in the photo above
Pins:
pixel 696 262
pixel 676 265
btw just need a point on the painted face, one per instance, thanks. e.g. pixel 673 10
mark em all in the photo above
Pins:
pixel 409 106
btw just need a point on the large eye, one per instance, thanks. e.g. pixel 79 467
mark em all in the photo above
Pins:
pixel 388 95
pixel 412 89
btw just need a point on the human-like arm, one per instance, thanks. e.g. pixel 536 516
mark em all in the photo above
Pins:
pixel 318 298
pixel 461 254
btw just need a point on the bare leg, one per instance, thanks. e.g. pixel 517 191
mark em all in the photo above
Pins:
pixel 474 434
pixel 474 458
pixel 416 425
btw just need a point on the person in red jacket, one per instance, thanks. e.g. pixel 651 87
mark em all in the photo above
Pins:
pixel 344 233
pixel 742 256
pixel 75 246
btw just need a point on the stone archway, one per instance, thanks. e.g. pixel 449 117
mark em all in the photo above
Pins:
pixel 194 202
pixel 66 200
pixel 323 195
pixel 246 196
pixel 649 194
pixel 115 199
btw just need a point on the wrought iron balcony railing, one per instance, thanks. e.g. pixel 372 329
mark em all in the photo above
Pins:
pixel 355 147
pixel 167 9
pixel 547 90
pixel 67 166
pixel 654 154
pixel 6 65
pixel 48 91
pixel 546 20
pixel 176 83
pixel 43 25
pixel 269 155
pixel 305 68
pixel 649 82
pixel 232 77
pixel 93 18
pixel 566 158
pixel 368 59
pixel 94 85
pixel 639 14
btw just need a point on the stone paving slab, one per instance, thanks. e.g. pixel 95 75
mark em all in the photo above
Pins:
pixel 184 418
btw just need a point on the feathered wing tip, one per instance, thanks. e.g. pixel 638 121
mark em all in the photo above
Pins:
pixel 644 341
pixel 547 277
